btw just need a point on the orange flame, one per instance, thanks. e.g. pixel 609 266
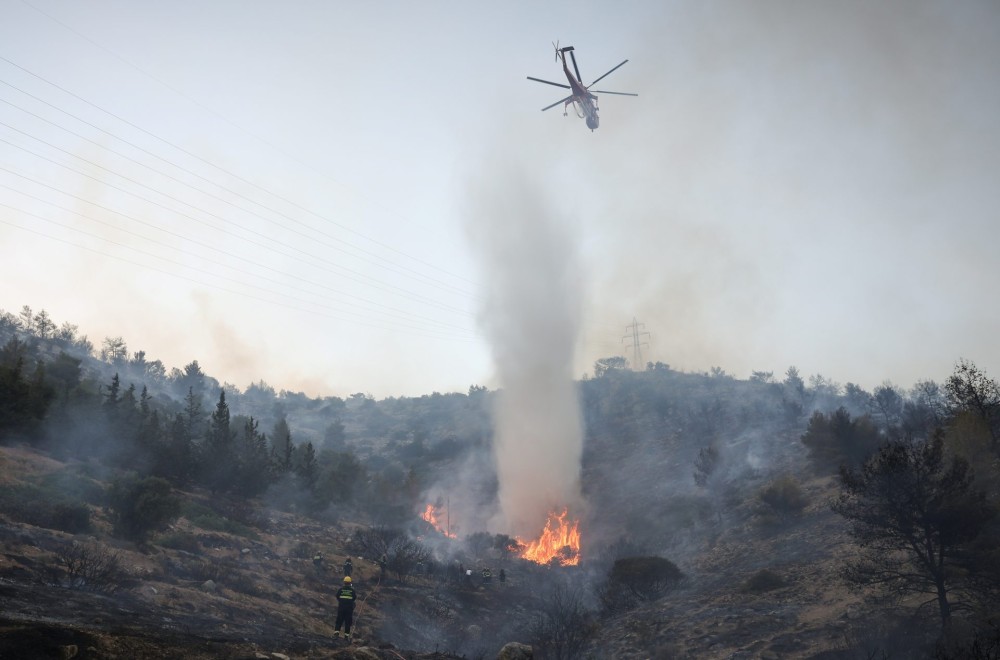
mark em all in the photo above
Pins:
pixel 559 541
pixel 432 514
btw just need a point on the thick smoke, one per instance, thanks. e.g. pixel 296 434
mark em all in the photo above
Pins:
pixel 530 314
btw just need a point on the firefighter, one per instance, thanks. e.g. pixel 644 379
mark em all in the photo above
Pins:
pixel 346 598
pixel 348 567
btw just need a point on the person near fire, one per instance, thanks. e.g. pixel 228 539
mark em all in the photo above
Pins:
pixel 346 597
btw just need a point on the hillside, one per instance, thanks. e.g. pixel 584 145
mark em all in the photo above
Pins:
pixel 269 596
pixel 226 595
pixel 258 592
pixel 153 515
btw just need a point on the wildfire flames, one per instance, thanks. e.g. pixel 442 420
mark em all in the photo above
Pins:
pixel 560 541
pixel 432 514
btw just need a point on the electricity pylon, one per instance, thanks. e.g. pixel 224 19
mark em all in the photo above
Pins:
pixel 637 344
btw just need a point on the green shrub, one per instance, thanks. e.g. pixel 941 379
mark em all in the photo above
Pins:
pixel 71 484
pixel 140 507
pixel 205 518
pixel 29 504
pixel 761 581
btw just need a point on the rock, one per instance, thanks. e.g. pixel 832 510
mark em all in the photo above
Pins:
pixel 474 631
pixel 245 551
pixel 208 585
pixel 68 651
pixel 280 656
pixel 515 651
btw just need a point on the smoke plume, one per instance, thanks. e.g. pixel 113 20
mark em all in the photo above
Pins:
pixel 530 314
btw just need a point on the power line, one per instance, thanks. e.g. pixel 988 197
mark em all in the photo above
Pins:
pixel 391 310
pixel 357 276
pixel 207 180
pixel 213 165
pixel 420 332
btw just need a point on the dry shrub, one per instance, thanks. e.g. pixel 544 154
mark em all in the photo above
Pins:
pixel 94 568
pixel 781 500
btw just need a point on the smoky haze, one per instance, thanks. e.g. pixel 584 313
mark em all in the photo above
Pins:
pixel 531 316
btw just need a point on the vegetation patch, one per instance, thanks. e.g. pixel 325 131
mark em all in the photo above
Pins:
pixel 636 580
pixel 33 505
pixel 781 500
pixel 762 581
pixel 140 507
pixel 94 568
pixel 180 541
pixel 205 518
pixel 74 485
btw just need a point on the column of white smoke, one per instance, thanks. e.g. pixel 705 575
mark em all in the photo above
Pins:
pixel 530 314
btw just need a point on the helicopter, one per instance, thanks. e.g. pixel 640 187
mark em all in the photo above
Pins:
pixel 583 100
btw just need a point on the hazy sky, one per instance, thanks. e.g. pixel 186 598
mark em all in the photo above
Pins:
pixel 282 190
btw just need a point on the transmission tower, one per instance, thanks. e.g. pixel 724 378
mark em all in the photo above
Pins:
pixel 635 333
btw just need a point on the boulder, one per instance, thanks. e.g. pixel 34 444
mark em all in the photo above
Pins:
pixel 515 651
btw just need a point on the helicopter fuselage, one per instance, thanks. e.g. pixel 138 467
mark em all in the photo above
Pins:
pixel 582 98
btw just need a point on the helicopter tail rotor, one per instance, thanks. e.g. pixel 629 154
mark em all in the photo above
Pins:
pixel 555 45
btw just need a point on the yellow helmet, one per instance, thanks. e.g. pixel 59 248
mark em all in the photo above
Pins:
pixel 347 579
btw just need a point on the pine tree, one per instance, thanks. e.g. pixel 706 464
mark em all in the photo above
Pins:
pixel 254 467
pixel 220 459
pixel 307 468
pixel 283 448
pixel 916 516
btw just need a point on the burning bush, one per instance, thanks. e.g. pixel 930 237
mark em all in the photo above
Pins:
pixel 558 544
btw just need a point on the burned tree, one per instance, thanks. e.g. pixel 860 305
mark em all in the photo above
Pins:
pixel 401 553
pixel 563 625
pixel 916 516
pixel 705 465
